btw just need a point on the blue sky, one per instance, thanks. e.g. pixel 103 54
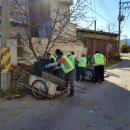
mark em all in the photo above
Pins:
pixel 106 12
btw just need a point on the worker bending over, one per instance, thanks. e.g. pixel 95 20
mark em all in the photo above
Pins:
pixel 68 68
pixel 51 57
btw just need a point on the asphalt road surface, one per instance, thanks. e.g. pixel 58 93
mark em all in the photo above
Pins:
pixel 103 107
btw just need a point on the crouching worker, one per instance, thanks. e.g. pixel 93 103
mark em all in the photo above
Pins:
pixel 51 57
pixel 68 68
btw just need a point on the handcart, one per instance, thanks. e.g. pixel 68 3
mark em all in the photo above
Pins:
pixel 47 85
pixel 44 84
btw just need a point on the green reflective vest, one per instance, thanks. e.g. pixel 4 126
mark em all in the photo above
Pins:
pixel 67 66
pixel 98 59
pixel 72 58
pixel 53 57
pixel 82 62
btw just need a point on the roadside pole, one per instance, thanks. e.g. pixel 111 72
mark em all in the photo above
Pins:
pixel 122 6
pixel 5 51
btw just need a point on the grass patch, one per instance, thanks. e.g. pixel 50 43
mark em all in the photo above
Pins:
pixel 113 59
pixel 13 91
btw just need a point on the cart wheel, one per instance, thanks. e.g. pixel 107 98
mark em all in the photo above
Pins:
pixel 39 89
pixel 89 75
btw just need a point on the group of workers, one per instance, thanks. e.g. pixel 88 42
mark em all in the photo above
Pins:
pixel 70 68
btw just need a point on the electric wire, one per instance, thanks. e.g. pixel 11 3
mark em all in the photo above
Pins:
pixel 93 11
pixel 95 6
pixel 126 19
pixel 107 11
pixel 100 15
pixel 104 8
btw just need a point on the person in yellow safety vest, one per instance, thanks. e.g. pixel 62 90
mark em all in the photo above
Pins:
pixel 68 68
pixel 98 61
pixel 51 57
pixel 82 67
pixel 73 58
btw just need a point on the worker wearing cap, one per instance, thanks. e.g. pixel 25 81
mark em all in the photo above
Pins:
pixel 68 68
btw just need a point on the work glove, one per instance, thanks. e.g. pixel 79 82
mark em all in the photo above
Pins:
pixel 51 64
pixel 58 67
pixel 48 66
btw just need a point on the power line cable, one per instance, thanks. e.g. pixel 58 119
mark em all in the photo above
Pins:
pixel 116 1
pixel 95 6
pixel 96 13
pixel 126 19
pixel 91 24
pixel 100 15
pixel 104 8
pixel 107 11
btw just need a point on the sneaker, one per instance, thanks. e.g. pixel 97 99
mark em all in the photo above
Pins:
pixel 102 82
pixel 96 82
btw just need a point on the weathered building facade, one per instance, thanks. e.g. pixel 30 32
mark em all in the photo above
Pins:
pixel 105 42
pixel 41 15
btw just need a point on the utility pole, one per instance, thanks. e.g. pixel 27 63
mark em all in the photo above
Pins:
pixel 5 51
pixel 126 40
pixel 119 28
pixel 122 6
pixel 94 46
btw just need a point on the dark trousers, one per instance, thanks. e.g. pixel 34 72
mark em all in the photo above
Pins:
pixel 81 72
pixel 76 77
pixel 70 78
pixel 99 73
pixel 59 73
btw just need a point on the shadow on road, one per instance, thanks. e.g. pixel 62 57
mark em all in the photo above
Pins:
pixel 104 107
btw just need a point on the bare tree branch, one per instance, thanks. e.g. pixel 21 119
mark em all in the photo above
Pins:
pixel 58 31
